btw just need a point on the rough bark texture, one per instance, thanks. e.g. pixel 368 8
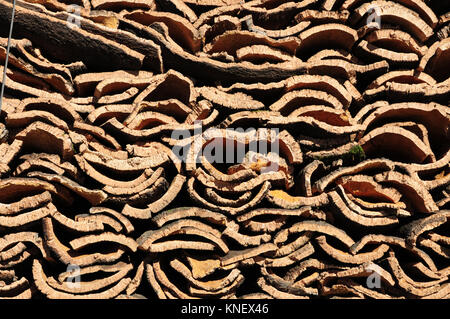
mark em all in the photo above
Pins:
pixel 225 149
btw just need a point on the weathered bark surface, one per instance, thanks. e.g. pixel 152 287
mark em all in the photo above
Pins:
pixel 225 149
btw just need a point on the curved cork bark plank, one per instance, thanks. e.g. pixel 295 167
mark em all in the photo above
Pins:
pixel 311 263
pixel 134 4
pixel 379 140
pixel 100 220
pixel 236 101
pixel 164 281
pixel 275 293
pixel 27 203
pixel 190 231
pixel 294 246
pixel 371 53
pixel 414 229
pixel 323 83
pixel 8 152
pixel 171 107
pixel 435 59
pixel 358 204
pixel 412 188
pixel 363 270
pixel 393 241
pixel 396 40
pixel 357 218
pixel 275 34
pixel 146 240
pixel 304 97
pixel 128 226
pixel 24 89
pixel 419 289
pixel 323 228
pixel 158 205
pixel 337 54
pixel 316 128
pixel 67 38
pixel 151 178
pixel 261 54
pixel 242 175
pixel 301 253
pixel 381 164
pixel 86 83
pixel 95 197
pixel 19 289
pixel 282 199
pixel 16 260
pixel 225 186
pixel 370 209
pixel 89 286
pixel 105 112
pixel 12 188
pixel 62 277
pixel 428 114
pixel 418 6
pixel 125 96
pixel 283 285
pixel 51 139
pixel 37 60
pixel 67 256
pixel 56 81
pixel 92 172
pixel 317 16
pixel 122 36
pixel 265 226
pixel 20 238
pixel 169 85
pixel 336 35
pixel 232 232
pixel 94 135
pixel 41 282
pixel 251 202
pixel 212 285
pixel 78 224
pixel 236 256
pixel 150 119
pixel 125 166
pixel 435 247
pixel 231 41
pixel 213 196
pixel 67 167
pixel 39 165
pixel 179 28
pixel 144 197
pixel 338 152
pixel 344 257
pixel 150 275
pixel 404 76
pixel 227 292
pixel 136 281
pixel 26 218
pixel 301 212
pixel 395 13
pixel 185 212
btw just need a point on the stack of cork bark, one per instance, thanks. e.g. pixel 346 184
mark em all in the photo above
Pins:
pixel 128 166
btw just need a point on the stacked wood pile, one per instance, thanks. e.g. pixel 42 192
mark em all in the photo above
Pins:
pixel 95 201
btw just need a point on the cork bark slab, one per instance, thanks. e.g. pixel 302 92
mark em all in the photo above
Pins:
pixel 225 149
